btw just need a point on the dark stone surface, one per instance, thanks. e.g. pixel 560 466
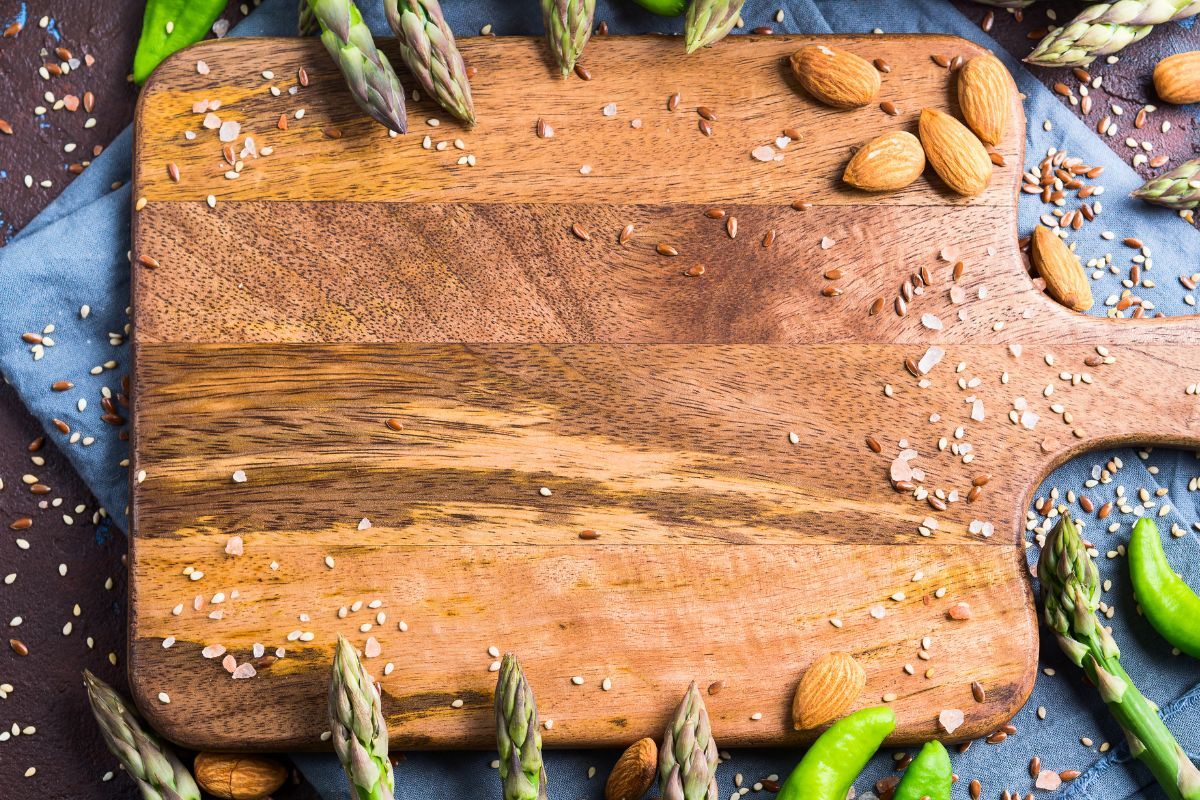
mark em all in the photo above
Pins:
pixel 66 748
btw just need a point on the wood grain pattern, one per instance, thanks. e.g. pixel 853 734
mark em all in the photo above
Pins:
pixel 342 282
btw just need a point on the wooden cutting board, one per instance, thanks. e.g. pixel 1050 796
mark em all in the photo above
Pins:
pixel 545 385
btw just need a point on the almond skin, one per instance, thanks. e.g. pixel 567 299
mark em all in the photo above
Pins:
pixel 1177 78
pixel 238 777
pixel 827 690
pixel 886 163
pixel 1061 270
pixel 835 77
pixel 634 772
pixel 956 154
pixel 985 97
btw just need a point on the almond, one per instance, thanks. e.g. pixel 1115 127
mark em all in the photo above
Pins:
pixel 827 690
pixel 238 777
pixel 634 772
pixel 985 97
pixel 887 162
pixel 835 77
pixel 1177 78
pixel 955 153
pixel 1061 270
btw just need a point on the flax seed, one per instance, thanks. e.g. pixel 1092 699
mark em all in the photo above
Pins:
pixel 989 19
pixel 901 307
pixel 889 108
pixel 1159 160
pixel 882 66
pixel 705 127
pixel 626 234
pixel 769 238
pixel 589 535
pixel 715 213
pixel 1140 120
pixel 694 271
pixel 18 647
pixel 664 249
pixel 801 205
pixel 673 102
pixel 973 494
pixel 580 232
pixel 876 306
pixel 958 270
pixel 997 737
pixel 731 226
pixel 1085 105
pixel 792 134
pixel 874 445
pixel 150 262
pixel 997 159
pixel 937 503
pixel 977 692
pixel 1082 74
pixel 715 687
pixel 706 113
pixel 1069 774
pixel 173 171
pixel 583 72
pixel 62 386
pixel 1035 767
pixel 940 60
pixel 831 291
pixel 834 274
pixel 395 424
pixel 762 30
pixel 544 131
pixel 976 789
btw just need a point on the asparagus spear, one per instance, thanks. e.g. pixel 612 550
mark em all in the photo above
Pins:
pixel 709 21
pixel 359 733
pixel 370 76
pixel 306 23
pixel 1071 596
pixel 159 774
pixel 1106 28
pixel 687 760
pixel 517 736
pixel 568 28
pixel 1179 188
pixel 427 46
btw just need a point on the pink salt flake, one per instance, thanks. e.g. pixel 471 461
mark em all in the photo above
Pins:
pixel 1049 780
pixel 950 719
pixel 229 662
pixel 234 547
pixel 244 671
pixel 959 611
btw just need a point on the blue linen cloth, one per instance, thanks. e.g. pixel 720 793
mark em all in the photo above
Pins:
pixel 75 253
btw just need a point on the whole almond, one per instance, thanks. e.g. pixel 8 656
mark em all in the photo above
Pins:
pixel 888 162
pixel 827 690
pixel 955 153
pixel 1061 270
pixel 238 777
pixel 835 77
pixel 985 97
pixel 1177 78
pixel 634 772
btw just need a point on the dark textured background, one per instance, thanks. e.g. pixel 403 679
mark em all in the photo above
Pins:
pixel 66 749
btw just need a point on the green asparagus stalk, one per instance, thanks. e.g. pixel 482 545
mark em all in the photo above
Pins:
pixel 370 76
pixel 306 22
pixel 709 21
pixel 1071 596
pixel 568 28
pixel 359 733
pixel 159 774
pixel 687 760
pixel 1179 188
pixel 517 736
pixel 1106 28
pixel 427 46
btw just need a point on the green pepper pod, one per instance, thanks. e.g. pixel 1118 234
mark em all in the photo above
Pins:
pixel 171 25
pixel 830 766
pixel 666 8
pixel 929 775
pixel 1166 600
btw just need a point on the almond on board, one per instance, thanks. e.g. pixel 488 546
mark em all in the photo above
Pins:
pixel 1061 270
pixel 835 77
pixel 827 690
pixel 886 163
pixel 956 154
pixel 985 97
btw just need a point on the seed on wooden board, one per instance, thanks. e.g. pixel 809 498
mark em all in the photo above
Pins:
pixel 731 226
pixel 882 66
pixel 583 72
pixel 715 213
pixel 544 130
pixel 705 127
pixel 149 262
pixel 833 274
pixel 937 503
pixel 626 234
pixel 580 232
pixel 889 108
pixel 901 307
pixel 831 291
pixel 997 159
pixel 973 494
pixel 706 113
pixel 664 249
pixel 801 205
pixel 395 424
pixel 715 687
pixel 673 102
pixel 940 60
pixel 302 76
pixel 977 692
pixel 876 306
pixel 173 171
pixel 792 133
pixel 874 444
pixel 694 271
pixel 589 535
pixel 768 238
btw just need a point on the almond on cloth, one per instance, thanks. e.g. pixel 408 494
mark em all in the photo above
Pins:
pixel 634 772
pixel 956 154
pixel 1177 78
pixel 835 77
pixel 1061 270
pixel 888 162
pixel 985 97
pixel 827 690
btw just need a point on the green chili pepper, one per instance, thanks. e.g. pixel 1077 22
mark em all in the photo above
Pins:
pixel 1166 600
pixel 171 25
pixel 929 775
pixel 667 8
pixel 830 766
